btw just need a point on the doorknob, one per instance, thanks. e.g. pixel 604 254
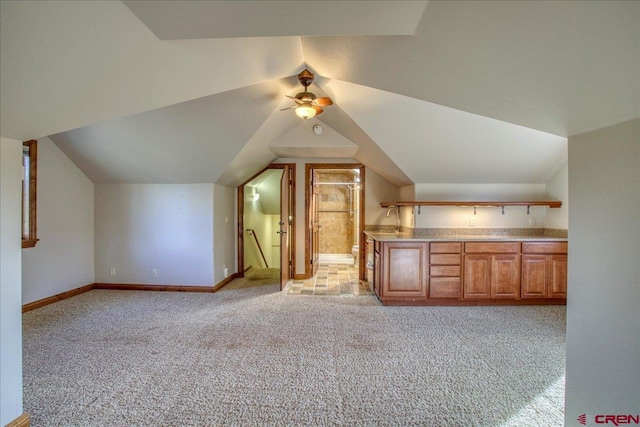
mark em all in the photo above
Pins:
pixel 281 232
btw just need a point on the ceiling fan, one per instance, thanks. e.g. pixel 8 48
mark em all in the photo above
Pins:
pixel 308 105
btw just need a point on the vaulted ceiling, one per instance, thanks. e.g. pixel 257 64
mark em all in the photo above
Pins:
pixel 440 91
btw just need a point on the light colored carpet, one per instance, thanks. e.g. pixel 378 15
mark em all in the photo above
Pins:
pixel 249 355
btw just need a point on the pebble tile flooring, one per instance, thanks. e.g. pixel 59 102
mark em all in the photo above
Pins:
pixel 331 279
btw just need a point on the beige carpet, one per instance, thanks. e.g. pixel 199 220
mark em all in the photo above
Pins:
pixel 249 355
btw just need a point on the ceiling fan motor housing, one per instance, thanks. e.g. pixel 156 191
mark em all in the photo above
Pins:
pixel 305 97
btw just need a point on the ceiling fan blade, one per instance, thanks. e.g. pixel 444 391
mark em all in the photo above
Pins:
pixel 288 108
pixel 318 110
pixel 323 101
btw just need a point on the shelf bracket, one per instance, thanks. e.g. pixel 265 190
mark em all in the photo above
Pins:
pixel 474 210
pixel 502 209
pixel 528 209
pixel 419 209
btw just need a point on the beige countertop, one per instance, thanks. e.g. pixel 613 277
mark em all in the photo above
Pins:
pixel 410 237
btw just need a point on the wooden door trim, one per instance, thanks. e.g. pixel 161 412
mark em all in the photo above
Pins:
pixel 240 213
pixel 307 202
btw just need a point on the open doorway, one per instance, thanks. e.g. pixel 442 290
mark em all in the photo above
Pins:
pixel 266 223
pixel 334 214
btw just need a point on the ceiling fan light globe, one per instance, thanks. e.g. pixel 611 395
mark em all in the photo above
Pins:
pixel 305 111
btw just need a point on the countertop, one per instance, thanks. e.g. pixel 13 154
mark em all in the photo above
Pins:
pixel 410 237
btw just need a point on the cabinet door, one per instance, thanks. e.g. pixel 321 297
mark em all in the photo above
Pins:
pixel 534 276
pixel 477 276
pixel 505 276
pixel 557 276
pixel 405 269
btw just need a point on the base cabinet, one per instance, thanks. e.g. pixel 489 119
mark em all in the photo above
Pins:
pixel 544 270
pixel 492 276
pixel 470 273
pixel 492 270
pixel 444 270
pixel 404 269
pixel 544 276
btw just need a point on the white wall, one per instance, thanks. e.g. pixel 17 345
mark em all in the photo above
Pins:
pixel 603 304
pixel 224 232
pixel 10 280
pixel 261 224
pixel 63 258
pixel 168 227
pixel 558 188
pixel 377 190
pixel 275 241
pixel 487 217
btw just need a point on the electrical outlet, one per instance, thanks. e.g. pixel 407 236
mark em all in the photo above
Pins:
pixel 532 222
pixel 472 221
pixel 112 272
pixel 154 273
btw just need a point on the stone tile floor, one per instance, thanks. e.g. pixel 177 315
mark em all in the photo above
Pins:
pixel 331 279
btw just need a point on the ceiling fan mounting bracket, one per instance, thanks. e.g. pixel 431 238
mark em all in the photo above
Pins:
pixel 305 78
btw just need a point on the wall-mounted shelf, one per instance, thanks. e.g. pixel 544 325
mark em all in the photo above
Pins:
pixel 550 203
pixel 476 204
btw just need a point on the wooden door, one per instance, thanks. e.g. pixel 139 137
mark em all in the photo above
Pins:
pixel 505 276
pixel 286 193
pixel 404 273
pixel 477 276
pixel 314 221
pixel 557 276
pixel 534 276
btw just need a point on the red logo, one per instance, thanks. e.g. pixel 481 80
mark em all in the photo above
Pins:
pixel 616 420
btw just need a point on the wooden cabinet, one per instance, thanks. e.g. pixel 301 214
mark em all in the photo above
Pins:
pixel 477 276
pixel 492 270
pixel 469 272
pixel 544 270
pixel 444 270
pixel 404 269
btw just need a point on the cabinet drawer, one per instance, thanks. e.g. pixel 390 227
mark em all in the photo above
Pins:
pixel 445 270
pixel 544 247
pixel 446 259
pixel 446 247
pixel 444 287
pixel 492 247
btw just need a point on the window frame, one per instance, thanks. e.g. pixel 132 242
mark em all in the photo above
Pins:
pixel 30 239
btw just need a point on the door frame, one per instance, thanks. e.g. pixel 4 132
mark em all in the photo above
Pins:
pixel 240 217
pixel 309 167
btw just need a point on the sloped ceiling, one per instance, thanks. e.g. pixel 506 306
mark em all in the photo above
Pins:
pixel 477 91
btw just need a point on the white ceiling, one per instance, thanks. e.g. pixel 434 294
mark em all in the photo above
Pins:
pixel 477 91
pixel 221 19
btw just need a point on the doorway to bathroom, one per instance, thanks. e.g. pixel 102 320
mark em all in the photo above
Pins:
pixel 334 216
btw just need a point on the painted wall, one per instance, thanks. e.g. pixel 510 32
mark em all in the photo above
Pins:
pixel 558 188
pixel 256 220
pixel 463 217
pixel 378 190
pixel 65 220
pixel 224 232
pixel 10 281
pixel 603 304
pixel 167 227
